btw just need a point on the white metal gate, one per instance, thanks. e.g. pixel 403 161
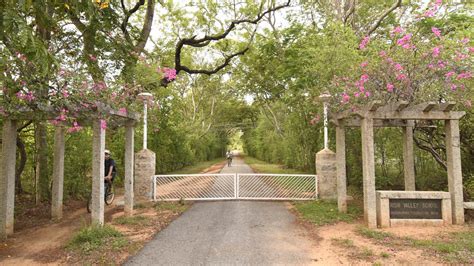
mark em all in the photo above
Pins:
pixel 234 186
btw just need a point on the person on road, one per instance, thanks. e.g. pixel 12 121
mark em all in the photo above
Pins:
pixel 229 158
pixel 110 170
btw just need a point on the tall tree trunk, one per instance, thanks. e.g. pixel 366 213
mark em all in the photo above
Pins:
pixel 42 176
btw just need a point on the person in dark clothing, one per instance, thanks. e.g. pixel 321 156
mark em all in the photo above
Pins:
pixel 110 170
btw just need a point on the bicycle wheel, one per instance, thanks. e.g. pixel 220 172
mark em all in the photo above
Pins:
pixel 109 194
pixel 89 204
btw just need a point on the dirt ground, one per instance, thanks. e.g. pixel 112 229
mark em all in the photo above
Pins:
pixel 340 244
pixel 39 241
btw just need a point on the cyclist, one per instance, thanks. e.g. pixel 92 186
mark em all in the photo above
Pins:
pixel 110 170
pixel 229 158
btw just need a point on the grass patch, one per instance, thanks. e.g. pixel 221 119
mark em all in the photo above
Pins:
pixel 384 255
pixel 342 242
pixel 132 220
pixel 196 168
pixel 177 207
pixel 96 238
pixel 264 167
pixel 378 235
pixel 456 247
pixel 140 205
pixel 325 212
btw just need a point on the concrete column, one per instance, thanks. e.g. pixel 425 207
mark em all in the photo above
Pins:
pixel 145 162
pixel 58 174
pixel 129 144
pixel 7 178
pixel 453 159
pixel 341 168
pixel 368 170
pixel 408 159
pixel 326 171
pixel 98 158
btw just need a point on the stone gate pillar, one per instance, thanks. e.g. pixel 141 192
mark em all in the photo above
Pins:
pixel 326 171
pixel 145 162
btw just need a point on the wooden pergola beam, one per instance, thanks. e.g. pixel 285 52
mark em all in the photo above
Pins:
pixel 417 115
pixel 446 107
pixel 356 122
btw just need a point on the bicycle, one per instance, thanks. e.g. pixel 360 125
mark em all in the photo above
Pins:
pixel 109 195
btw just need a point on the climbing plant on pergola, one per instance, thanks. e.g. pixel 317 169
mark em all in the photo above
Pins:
pixel 398 114
pixel 92 117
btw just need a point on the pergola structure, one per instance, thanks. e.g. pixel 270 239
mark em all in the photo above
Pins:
pixel 8 159
pixel 398 114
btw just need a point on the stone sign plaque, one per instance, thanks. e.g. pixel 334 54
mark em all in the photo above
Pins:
pixel 415 209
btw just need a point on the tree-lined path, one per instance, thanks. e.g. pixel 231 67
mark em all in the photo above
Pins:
pixel 230 232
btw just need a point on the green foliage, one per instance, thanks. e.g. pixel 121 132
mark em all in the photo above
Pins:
pixel 325 212
pixel 136 220
pixel 197 167
pixel 264 167
pixel 343 242
pixel 374 234
pixel 94 238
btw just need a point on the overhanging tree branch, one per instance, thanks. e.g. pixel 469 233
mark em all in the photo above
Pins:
pixel 207 39
pixel 396 5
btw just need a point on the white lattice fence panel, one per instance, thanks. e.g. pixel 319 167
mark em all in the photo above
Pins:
pixel 276 187
pixel 194 187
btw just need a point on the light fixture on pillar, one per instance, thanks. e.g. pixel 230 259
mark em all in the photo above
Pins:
pixel 145 97
pixel 324 97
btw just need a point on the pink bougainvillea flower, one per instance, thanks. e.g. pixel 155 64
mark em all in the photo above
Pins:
pixel 453 87
pixel 382 53
pixel 404 40
pixel 364 42
pixel 390 87
pixel 401 77
pixel 397 30
pixel 345 97
pixel 441 64
pixel 364 78
pixel 29 96
pixel 367 94
pixel 436 32
pixel 438 2
pixel 170 73
pixel 92 57
pixel 123 111
pixel 465 40
pixel 460 56
pixel 464 75
pixel 75 127
pixel 429 13
pixel 103 124
pixel 398 67
pixel 450 74
pixel 436 50
pixel 364 64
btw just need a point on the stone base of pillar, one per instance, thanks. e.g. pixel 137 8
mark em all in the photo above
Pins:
pixel 145 162
pixel 326 171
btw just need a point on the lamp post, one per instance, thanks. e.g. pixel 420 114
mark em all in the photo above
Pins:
pixel 325 96
pixel 145 97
